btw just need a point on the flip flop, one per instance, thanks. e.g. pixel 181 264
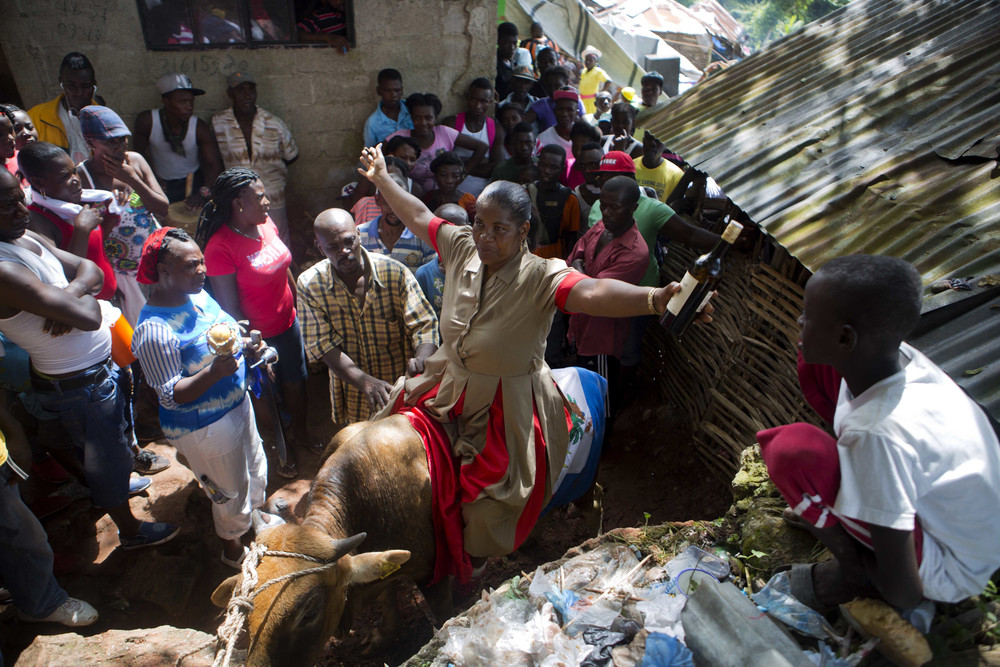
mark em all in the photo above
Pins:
pixel 287 471
pixel 235 564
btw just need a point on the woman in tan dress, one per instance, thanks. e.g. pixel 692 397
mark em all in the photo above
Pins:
pixel 487 389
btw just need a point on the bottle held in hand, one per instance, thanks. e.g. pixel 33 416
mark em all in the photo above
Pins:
pixel 698 284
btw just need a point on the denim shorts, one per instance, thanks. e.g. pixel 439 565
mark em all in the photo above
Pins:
pixel 99 419
pixel 291 364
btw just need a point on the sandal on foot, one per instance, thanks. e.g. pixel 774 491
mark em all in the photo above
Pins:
pixel 288 471
pixel 802 588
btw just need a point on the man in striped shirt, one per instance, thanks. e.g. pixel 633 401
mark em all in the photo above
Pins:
pixel 365 316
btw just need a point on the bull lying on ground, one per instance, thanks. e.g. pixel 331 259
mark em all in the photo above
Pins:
pixel 375 481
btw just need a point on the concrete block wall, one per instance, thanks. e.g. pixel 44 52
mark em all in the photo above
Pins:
pixel 323 95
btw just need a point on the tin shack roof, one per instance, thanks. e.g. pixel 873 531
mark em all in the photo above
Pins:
pixel 872 130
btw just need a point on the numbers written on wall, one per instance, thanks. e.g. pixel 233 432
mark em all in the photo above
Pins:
pixel 202 64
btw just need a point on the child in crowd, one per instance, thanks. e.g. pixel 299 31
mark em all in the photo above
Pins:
pixel 622 128
pixel 430 276
pixel 556 212
pixel 601 118
pixel 588 192
pixel 652 171
pixel 520 168
pixel 581 134
pixel 391 113
pixel 449 171
pixel 509 115
pixel 905 495
pixel 520 86
pixel 474 122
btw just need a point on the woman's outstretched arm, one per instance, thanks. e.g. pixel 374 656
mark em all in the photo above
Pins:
pixel 606 297
pixel 410 210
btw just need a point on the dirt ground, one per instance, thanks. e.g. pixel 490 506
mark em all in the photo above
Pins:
pixel 647 467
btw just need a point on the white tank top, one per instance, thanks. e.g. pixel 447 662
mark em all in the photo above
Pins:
pixel 71 352
pixel 167 164
pixel 474 185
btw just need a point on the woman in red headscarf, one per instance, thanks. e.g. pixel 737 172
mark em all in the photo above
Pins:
pixel 191 352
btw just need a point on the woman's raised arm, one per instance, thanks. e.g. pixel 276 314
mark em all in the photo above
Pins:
pixel 410 210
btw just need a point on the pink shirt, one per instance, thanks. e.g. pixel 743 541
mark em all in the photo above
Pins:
pixel 444 140
pixel 624 258
pixel 261 268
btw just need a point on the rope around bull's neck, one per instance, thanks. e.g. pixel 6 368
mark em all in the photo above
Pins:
pixel 241 604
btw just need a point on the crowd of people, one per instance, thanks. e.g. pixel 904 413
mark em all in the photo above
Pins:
pixel 474 253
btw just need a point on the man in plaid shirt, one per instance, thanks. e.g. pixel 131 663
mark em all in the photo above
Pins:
pixel 365 316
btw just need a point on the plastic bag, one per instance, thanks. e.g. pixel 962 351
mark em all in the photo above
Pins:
pixel 662 613
pixel 777 600
pixel 665 651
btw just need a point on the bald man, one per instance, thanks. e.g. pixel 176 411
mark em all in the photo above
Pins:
pixel 365 316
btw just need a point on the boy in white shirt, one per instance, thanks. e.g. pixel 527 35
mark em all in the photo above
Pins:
pixel 905 497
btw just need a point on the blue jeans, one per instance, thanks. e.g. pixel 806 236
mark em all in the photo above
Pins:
pixel 25 555
pixel 99 419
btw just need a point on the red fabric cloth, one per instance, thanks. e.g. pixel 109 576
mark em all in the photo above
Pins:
pixel 146 273
pixel 261 268
pixel 95 249
pixel 432 230
pixel 453 484
pixel 565 287
pixel 624 258
pixel 820 386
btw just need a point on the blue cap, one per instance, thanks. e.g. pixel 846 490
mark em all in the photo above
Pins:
pixel 101 123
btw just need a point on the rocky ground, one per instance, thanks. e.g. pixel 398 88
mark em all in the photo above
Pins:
pixel 646 470
pixel 155 603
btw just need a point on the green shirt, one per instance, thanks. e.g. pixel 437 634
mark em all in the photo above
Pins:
pixel 650 216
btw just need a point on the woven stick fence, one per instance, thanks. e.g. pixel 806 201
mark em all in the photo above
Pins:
pixel 737 375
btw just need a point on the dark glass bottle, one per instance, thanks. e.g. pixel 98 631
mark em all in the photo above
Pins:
pixel 698 283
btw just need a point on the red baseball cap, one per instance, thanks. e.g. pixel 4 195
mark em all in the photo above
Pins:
pixel 617 162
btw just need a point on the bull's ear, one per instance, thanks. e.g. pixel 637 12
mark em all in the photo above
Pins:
pixel 375 565
pixel 220 598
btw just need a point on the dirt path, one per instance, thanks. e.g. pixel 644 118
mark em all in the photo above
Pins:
pixel 647 468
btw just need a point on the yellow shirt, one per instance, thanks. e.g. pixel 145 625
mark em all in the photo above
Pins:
pixel 3 449
pixel 663 179
pixel 590 82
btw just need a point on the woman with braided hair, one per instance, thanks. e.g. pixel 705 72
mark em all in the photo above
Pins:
pixel 248 267
pixel 201 383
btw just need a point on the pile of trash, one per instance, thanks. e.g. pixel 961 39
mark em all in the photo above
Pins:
pixel 615 605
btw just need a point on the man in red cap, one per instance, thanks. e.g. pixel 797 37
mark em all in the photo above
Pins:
pixel 652 218
pixel 566 111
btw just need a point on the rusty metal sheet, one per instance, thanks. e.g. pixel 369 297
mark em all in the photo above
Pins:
pixel 872 130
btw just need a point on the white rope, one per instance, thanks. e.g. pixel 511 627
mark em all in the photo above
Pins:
pixel 241 604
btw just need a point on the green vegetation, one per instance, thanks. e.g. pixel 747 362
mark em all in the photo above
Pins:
pixel 768 20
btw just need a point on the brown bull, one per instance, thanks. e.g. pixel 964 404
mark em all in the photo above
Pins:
pixel 374 481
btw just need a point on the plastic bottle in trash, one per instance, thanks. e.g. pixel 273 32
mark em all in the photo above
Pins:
pixel 214 492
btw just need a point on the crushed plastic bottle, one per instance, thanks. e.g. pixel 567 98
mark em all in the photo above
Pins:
pixel 777 600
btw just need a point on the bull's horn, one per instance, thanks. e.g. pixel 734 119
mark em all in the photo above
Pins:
pixel 347 545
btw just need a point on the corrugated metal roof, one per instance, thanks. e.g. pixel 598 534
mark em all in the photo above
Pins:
pixel 968 349
pixel 858 133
